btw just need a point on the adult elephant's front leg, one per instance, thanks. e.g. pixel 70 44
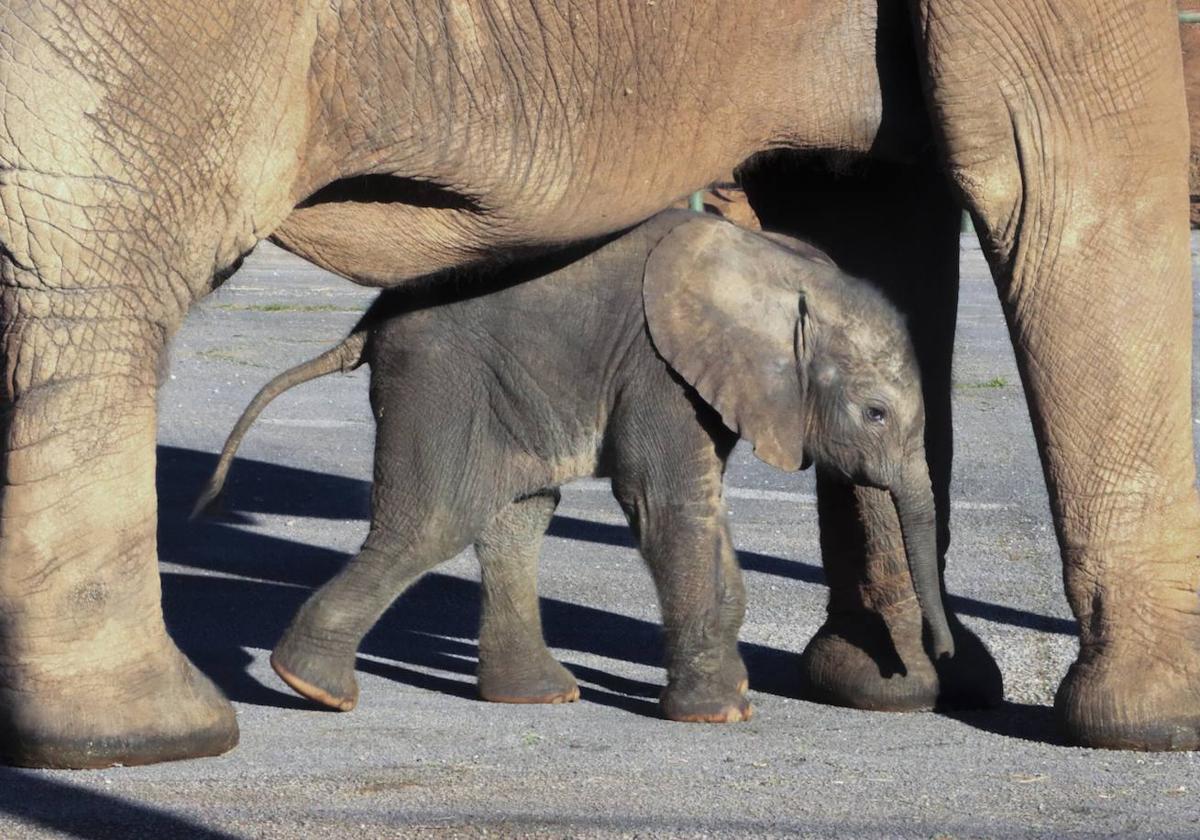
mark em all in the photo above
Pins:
pixel 1064 127
pixel 88 674
pixel 897 226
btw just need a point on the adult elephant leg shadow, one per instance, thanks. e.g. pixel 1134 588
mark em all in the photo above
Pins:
pixel 254 487
pixel 42 801
pixel 897 226
pixel 217 621
pixel 1022 721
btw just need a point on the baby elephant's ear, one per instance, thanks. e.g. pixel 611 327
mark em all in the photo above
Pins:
pixel 725 307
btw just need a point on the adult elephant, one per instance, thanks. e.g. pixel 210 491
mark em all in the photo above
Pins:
pixel 145 149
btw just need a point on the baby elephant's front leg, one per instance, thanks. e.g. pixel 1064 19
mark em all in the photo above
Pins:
pixel 514 664
pixel 703 602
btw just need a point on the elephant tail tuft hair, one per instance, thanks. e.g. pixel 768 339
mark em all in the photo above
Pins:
pixel 345 357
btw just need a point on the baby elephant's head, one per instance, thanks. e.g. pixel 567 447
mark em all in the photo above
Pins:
pixel 864 415
pixel 805 363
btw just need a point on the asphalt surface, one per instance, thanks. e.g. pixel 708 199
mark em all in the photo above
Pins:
pixel 421 756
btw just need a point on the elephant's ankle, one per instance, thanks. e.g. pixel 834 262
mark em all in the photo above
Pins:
pixel 734 668
pixel 853 661
pixel 523 674
pixel 1125 695
pixel 707 689
pixel 90 676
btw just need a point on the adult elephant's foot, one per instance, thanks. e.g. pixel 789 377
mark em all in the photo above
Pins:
pixel 857 660
pixel 316 671
pixel 158 708
pixel 525 677
pixel 88 675
pixel 1134 699
pixel 1135 684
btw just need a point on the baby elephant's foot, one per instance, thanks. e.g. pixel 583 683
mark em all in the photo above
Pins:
pixel 536 678
pixel 318 675
pixel 708 700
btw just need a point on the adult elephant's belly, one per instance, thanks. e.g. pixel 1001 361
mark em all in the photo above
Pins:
pixel 408 187
pixel 386 242
pixel 383 230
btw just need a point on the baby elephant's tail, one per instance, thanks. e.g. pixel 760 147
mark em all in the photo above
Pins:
pixel 345 357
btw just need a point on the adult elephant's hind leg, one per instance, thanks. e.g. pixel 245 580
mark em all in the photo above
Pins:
pixel 515 665
pixel 88 675
pixel 1064 125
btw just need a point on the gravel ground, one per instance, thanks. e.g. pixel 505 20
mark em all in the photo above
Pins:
pixel 420 756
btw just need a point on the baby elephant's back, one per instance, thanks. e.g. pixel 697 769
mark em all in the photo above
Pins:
pixel 569 309
pixel 580 300
pixel 541 344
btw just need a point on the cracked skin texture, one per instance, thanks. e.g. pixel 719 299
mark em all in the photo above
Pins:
pixel 143 150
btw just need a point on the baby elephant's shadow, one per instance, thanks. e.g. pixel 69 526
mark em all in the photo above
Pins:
pixel 246 587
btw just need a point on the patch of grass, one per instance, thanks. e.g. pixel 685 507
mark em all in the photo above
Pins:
pixel 216 354
pixel 531 739
pixel 282 307
pixel 994 382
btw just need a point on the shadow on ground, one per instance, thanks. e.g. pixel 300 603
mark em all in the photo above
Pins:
pixel 1022 721
pixel 599 532
pixel 435 624
pixel 40 800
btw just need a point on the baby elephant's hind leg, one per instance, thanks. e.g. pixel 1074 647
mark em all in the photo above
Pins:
pixel 317 653
pixel 514 664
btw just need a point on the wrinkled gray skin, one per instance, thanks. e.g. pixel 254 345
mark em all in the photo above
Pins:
pixel 485 406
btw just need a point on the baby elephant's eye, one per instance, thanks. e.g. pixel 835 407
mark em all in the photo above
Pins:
pixel 876 414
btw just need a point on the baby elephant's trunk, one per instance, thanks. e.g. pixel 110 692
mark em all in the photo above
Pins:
pixel 913 497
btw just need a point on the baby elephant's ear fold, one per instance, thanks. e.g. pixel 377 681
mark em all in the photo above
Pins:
pixel 724 309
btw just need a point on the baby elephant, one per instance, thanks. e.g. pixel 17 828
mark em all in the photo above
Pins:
pixel 642 358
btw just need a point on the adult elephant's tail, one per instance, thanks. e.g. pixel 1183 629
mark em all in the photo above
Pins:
pixel 345 357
